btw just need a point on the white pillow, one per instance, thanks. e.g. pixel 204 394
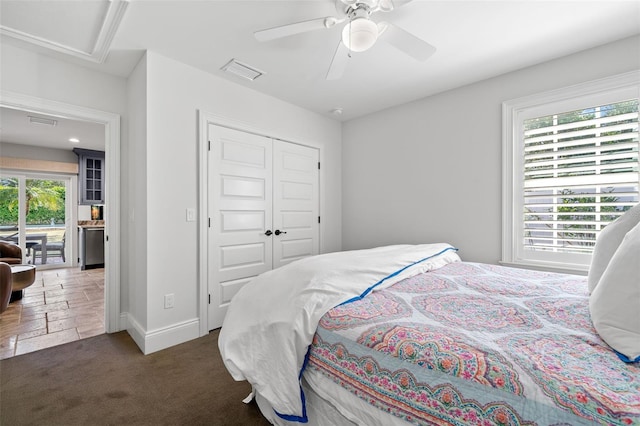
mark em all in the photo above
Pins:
pixel 615 302
pixel 608 242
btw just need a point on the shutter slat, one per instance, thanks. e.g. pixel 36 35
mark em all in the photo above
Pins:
pixel 602 169
pixel 599 165
pixel 574 238
pixel 601 140
pixel 560 249
pixel 562 140
pixel 624 197
pixel 553 205
pixel 595 151
pixel 568 182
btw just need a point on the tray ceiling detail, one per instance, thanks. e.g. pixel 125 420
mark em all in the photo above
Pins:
pixel 46 24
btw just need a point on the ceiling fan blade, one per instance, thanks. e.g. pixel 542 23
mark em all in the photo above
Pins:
pixel 399 3
pixel 405 41
pixel 295 28
pixel 339 62
pixel 389 5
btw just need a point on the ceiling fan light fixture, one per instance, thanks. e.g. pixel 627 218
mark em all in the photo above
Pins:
pixel 359 34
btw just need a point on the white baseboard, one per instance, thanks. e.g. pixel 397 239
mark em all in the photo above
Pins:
pixel 162 338
pixel 136 331
pixel 170 336
pixel 123 323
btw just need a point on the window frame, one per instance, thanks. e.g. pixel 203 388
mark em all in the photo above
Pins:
pixel 514 112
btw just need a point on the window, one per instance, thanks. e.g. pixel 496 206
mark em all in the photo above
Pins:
pixel 570 167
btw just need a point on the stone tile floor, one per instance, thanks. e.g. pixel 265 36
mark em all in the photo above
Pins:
pixel 61 306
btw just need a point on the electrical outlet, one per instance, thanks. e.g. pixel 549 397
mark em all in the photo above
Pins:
pixel 168 301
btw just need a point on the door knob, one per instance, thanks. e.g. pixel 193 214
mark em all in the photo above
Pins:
pixel 278 232
pixel 268 233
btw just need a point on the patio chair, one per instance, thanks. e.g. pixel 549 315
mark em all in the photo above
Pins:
pixel 54 248
pixel 9 237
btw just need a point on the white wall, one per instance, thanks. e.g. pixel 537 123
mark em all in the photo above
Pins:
pixel 175 94
pixel 430 170
pixel 45 77
pixel 134 220
pixel 37 153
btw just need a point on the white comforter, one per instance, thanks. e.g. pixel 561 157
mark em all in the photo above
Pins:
pixel 272 319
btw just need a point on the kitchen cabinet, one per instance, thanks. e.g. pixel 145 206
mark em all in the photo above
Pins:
pixel 91 176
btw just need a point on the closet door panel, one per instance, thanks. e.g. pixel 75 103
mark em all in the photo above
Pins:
pixel 240 209
pixel 295 202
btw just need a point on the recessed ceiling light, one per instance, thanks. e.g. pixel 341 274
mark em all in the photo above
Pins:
pixel 42 120
pixel 74 140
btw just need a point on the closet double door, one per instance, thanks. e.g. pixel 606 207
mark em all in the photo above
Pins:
pixel 263 210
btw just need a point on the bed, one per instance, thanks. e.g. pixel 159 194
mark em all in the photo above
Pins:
pixel 435 341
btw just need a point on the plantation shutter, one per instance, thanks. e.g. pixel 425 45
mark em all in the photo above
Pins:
pixel 580 173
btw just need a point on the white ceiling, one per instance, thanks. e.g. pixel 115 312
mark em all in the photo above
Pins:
pixel 475 40
pixel 16 127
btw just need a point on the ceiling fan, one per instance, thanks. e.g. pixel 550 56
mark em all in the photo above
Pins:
pixel 358 34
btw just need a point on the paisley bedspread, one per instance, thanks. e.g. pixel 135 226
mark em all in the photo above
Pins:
pixel 478 344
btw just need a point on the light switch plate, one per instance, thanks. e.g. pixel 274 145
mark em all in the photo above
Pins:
pixel 191 215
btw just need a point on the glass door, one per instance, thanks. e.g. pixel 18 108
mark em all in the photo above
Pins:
pixel 34 213
pixel 9 203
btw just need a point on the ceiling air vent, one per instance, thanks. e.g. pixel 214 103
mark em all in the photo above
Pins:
pixel 42 120
pixel 241 70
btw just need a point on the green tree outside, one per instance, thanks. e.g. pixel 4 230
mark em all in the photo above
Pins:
pixel 45 201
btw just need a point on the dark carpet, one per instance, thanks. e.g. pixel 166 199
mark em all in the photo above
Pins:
pixel 106 380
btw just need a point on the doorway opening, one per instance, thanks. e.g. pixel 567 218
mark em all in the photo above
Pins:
pixel 107 280
pixel 64 303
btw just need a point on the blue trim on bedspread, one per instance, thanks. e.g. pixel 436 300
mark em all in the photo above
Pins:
pixel 626 359
pixel 399 271
pixel 304 418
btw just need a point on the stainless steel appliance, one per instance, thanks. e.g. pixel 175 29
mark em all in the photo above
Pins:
pixel 91 247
